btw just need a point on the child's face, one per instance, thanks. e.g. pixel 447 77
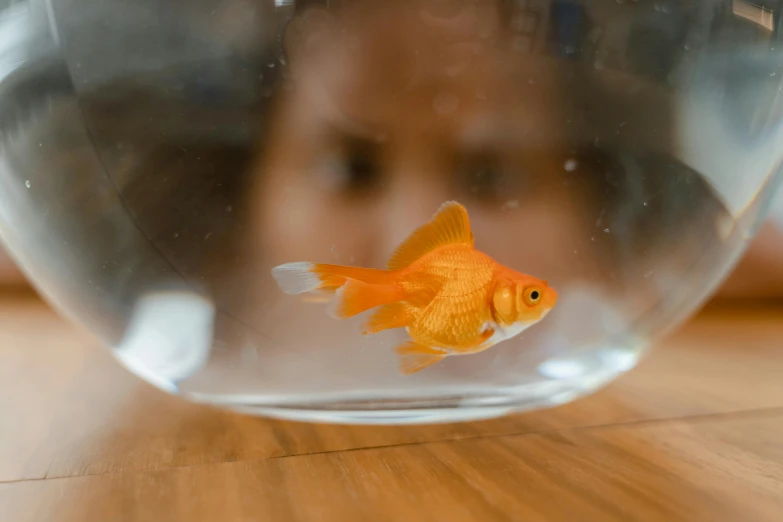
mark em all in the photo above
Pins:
pixel 388 114
pixel 393 110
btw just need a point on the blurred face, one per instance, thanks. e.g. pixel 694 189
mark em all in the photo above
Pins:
pixel 393 108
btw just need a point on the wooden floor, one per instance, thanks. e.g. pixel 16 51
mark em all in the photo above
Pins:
pixel 694 434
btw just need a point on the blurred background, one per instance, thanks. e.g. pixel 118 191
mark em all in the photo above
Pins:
pixel 758 275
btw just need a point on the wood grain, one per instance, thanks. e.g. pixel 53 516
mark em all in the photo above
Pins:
pixel 718 469
pixel 76 412
pixel 694 433
pixel 9 274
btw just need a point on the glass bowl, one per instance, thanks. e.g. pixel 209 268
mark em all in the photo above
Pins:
pixel 158 160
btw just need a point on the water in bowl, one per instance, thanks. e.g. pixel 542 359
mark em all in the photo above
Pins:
pixel 151 208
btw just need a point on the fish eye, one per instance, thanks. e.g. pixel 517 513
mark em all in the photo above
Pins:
pixel 532 296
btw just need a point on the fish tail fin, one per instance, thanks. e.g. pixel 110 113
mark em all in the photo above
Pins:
pixel 355 297
pixel 299 278
pixel 333 277
pixel 357 289
pixel 415 357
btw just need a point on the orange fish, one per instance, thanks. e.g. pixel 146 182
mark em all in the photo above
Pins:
pixel 451 298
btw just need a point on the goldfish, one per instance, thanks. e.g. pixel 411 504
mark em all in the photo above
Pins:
pixel 451 298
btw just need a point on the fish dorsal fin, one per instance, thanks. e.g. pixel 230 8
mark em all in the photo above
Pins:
pixel 450 225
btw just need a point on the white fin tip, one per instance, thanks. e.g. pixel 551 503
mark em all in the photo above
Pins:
pixel 296 278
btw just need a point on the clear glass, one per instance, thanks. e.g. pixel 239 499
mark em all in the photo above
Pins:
pixel 158 159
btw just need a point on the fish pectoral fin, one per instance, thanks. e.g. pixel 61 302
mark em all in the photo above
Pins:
pixel 486 334
pixel 479 344
pixel 450 225
pixel 415 357
pixel 393 315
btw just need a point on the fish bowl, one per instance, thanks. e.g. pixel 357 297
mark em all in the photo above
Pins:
pixel 377 211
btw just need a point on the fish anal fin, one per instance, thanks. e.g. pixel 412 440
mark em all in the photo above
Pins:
pixel 393 315
pixel 414 357
pixel 450 225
